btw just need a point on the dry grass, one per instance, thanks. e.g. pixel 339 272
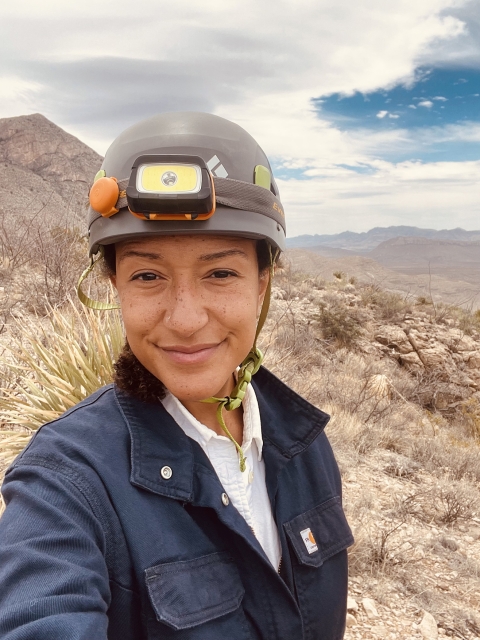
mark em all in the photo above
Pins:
pixel 50 366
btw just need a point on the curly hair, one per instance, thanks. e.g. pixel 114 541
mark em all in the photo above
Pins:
pixel 131 376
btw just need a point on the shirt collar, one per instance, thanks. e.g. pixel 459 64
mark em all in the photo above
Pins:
pixel 252 426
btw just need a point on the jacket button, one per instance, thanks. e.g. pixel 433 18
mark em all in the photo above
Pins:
pixel 225 499
pixel 166 473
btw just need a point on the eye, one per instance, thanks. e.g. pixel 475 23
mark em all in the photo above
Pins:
pixel 145 277
pixel 222 274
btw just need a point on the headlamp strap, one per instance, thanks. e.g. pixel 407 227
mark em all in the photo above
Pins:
pixel 84 299
pixel 248 369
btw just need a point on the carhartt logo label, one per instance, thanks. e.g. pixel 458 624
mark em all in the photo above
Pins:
pixel 309 540
pixel 216 168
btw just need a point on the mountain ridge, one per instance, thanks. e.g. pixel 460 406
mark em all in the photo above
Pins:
pixel 364 242
pixel 44 168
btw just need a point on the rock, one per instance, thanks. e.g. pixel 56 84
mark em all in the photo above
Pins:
pixel 379 630
pixel 437 356
pixel 448 543
pixel 410 360
pixel 464 344
pixel 472 359
pixel 370 609
pixel 352 604
pixel 394 338
pixel 428 627
pixel 351 620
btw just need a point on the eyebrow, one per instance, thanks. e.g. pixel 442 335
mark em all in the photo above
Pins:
pixel 207 257
pixel 139 254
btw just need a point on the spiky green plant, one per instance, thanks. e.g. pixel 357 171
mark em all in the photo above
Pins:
pixel 50 366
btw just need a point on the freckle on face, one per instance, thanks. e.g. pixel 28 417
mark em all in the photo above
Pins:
pixel 186 307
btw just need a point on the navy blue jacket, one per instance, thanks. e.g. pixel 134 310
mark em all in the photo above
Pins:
pixel 96 544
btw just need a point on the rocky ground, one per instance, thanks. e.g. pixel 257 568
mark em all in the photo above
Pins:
pixel 401 380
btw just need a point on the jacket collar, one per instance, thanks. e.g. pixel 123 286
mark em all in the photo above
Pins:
pixel 289 425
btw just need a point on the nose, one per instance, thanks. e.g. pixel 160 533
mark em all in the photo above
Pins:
pixel 186 311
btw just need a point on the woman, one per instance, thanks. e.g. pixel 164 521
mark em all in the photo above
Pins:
pixel 182 501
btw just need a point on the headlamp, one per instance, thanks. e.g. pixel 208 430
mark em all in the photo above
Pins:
pixel 171 187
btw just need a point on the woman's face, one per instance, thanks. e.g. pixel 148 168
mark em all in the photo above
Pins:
pixel 190 307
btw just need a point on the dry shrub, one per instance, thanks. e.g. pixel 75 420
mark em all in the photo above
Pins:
pixel 455 501
pixel 470 411
pixel 442 456
pixel 389 305
pixel 40 259
pixel 339 323
pixel 52 365
pixel 378 547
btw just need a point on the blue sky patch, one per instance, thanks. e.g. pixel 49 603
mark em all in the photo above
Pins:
pixel 282 172
pixel 438 97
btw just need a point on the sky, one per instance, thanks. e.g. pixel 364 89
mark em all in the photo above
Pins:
pixel 368 111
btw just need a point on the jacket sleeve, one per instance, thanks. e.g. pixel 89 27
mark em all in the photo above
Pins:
pixel 53 575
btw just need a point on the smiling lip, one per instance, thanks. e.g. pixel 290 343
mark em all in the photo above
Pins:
pixel 191 355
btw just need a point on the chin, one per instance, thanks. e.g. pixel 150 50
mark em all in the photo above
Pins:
pixel 188 391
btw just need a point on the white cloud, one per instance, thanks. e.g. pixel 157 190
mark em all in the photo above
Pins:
pixel 394 116
pixel 18 95
pixel 96 68
pixel 435 195
pixel 440 98
pixel 426 103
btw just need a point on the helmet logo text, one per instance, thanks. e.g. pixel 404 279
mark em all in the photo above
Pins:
pixel 279 209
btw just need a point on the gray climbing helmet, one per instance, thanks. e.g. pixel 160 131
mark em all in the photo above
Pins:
pixel 243 191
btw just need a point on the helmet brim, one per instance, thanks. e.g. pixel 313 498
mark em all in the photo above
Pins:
pixel 225 222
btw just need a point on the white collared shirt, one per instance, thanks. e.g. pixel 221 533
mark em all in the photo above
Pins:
pixel 247 491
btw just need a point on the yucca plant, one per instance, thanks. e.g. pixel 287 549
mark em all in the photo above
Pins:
pixel 50 366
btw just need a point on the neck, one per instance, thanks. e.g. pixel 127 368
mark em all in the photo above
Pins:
pixel 206 413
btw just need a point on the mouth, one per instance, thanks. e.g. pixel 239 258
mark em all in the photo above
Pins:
pixel 196 354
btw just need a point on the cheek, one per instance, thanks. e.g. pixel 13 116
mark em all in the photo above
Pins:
pixel 138 314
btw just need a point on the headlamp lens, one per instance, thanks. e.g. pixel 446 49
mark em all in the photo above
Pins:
pixel 169 178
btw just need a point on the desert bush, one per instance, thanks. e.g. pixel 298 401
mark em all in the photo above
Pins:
pixel 40 261
pixel 389 305
pixel 378 547
pixel 51 366
pixel 339 323
pixel 470 412
pixel 454 502
pixel 445 456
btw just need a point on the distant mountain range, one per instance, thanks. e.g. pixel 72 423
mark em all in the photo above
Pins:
pixel 405 258
pixel 363 243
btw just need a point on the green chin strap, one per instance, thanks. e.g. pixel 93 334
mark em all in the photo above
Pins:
pixel 84 299
pixel 248 369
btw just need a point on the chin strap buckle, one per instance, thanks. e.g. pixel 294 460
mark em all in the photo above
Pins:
pixel 248 369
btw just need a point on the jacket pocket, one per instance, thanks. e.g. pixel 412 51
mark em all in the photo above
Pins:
pixel 188 593
pixel 320 533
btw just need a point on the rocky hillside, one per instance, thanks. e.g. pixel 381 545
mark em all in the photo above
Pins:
pixel 457 286
pixel 401 381
pixel 44 178
pixel 43 166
